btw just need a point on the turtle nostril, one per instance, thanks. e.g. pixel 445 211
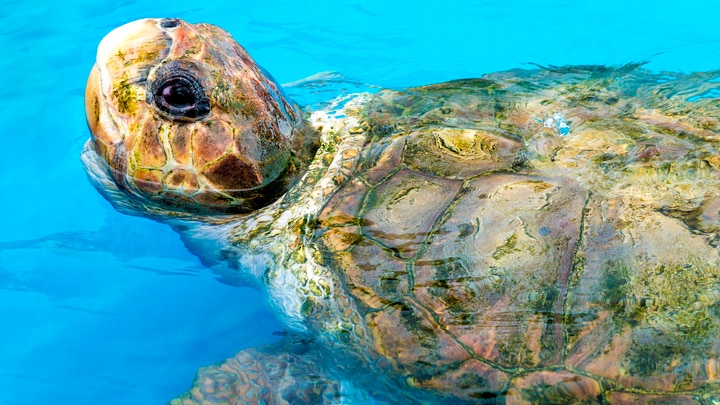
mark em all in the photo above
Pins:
pixel 169 22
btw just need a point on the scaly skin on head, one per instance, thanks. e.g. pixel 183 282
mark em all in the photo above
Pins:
pixel 185 120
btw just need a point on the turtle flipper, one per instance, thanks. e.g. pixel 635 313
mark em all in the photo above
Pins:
pixel 283 373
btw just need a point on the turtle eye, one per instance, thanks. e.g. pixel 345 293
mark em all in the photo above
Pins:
pixel 178 94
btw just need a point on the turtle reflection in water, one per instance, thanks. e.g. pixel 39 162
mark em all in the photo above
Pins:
pixel 531 236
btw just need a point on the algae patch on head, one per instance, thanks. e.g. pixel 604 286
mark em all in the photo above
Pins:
pixel 145 56
pixel 125 95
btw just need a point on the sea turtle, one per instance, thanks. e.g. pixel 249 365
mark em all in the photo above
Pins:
pixel 532 236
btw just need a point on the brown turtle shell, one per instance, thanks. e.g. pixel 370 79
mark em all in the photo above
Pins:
pixel 491 253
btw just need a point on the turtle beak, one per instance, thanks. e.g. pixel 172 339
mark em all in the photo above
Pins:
pixel 124 57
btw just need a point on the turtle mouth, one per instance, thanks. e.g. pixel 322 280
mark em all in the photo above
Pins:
pixel 136 195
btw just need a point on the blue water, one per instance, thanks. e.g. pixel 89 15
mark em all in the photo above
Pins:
pixel 97 307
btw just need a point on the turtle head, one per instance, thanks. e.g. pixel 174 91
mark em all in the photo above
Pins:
pixel 184 122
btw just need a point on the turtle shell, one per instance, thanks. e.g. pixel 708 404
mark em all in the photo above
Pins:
pixel 547 236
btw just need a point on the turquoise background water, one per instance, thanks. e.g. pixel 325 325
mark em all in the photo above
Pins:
pixel 97 307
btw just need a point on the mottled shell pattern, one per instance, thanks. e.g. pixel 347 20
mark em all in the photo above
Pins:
pixel 548 236
pixel 532 236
